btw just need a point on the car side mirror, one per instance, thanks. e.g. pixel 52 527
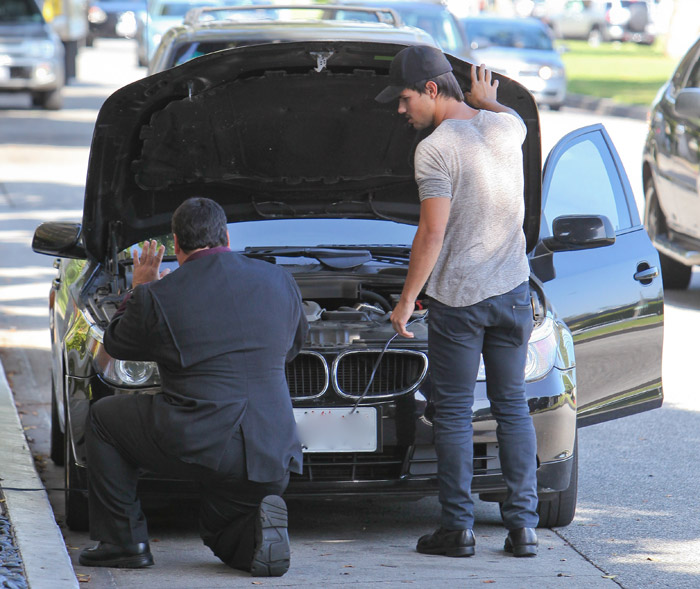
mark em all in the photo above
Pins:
pixel 59 239
pixel 688 103
pixel 579 232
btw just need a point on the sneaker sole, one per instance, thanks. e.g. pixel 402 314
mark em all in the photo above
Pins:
pixel 271 558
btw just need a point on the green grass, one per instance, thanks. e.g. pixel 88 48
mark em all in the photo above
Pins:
pixel 625 72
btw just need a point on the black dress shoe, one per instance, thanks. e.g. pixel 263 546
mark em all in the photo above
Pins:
pixel 271 556
pixel 521 542
pixel 131 556
pixel 447 542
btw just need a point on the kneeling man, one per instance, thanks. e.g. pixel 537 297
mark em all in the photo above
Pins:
pixel 220 329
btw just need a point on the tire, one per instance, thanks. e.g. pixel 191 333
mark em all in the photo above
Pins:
pixel 77 518
pixel 674 274
pixel 57 437
pixel 51 100
pixel 561 509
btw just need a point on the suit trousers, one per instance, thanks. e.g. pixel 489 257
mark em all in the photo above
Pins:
pixel 119 445
pixel 499 328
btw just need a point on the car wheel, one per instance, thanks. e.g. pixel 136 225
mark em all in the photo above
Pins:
pixel 595 37
pixel 51 100
pixel 674 274
pixel 555 107
pixel 57 437
pixel 560 510
pixel 77 518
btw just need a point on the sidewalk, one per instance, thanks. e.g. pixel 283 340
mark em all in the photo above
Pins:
pixel 37 537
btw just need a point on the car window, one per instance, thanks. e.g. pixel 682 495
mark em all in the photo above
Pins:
pixel 689 61
pixel 308 233
pixel 585 181
pixel 19 11
pixel 440 23
pixel 694 77
pixel 483 33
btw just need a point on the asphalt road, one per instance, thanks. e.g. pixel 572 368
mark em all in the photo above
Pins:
pixel 636 523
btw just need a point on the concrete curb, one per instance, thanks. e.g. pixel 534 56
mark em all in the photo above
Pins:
pixel 38 537
pixel 606 106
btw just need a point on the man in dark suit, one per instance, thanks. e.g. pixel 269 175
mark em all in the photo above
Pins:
pixel 220 328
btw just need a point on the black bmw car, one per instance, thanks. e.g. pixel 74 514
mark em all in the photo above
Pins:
pixel 317 177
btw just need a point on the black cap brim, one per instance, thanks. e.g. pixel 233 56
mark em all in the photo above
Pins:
pixel 389 93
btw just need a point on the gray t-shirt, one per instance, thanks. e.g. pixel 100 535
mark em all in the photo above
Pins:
pixel 478 164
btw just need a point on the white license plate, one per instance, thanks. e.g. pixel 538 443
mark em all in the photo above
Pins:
pixel 4 73
pixel 335 429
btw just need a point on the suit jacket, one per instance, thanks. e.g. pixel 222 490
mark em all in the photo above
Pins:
pixel 220 328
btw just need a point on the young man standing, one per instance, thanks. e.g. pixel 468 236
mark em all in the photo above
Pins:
pixel 470 249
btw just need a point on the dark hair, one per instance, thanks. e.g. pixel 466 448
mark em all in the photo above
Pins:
pixel 447 85
pixel 199 223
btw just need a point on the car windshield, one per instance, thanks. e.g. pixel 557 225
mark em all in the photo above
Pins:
pixel 311 233
pixel 17 11
pixel 499 34
pixel 177 8
pixel 437 22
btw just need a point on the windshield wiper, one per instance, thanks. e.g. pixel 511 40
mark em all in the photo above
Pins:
pixel 333 257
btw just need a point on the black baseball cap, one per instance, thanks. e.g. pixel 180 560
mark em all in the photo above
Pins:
pixel 411 65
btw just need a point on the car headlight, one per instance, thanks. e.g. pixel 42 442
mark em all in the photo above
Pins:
pixel 96 15
pixel 546 340
pixel 547 72
pixel 121 373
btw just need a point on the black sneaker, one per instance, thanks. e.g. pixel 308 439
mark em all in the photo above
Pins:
pixel 271 556
pixel 447 542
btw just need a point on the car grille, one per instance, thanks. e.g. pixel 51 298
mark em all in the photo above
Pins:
pixel 307 376
pixel 20 72
pixel 352 467
pixel 399 372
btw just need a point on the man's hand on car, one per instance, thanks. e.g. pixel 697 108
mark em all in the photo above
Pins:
pixel 147 266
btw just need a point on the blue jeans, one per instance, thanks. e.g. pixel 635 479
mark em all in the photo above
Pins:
pixel 499 327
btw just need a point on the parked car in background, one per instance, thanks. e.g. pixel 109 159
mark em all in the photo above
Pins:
pixel 114 18
pixel 31 54
pixel 317 177
pixel 433 17
pixel 671 172
pixel 599 20
pixel 164 14
pixel 522 49
pixel 213 29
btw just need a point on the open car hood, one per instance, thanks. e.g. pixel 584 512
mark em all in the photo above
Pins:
pixel 269 131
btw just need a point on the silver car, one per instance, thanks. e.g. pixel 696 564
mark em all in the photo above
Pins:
pixel 206 30
pixel 31 54
pixel 522 49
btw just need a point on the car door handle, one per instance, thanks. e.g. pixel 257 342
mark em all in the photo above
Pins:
pixel 647 274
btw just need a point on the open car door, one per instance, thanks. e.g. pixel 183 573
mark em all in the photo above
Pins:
pixel 610 297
